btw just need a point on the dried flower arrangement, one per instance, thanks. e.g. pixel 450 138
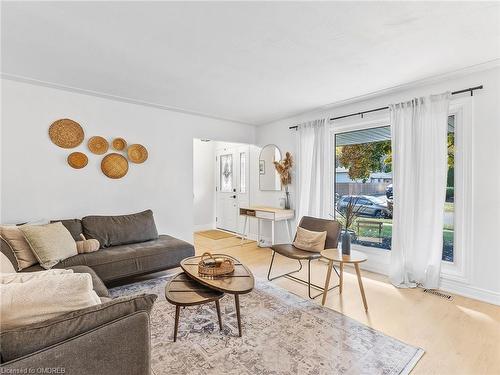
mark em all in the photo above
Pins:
pixel 283 167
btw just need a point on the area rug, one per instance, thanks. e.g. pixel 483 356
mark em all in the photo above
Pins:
pixel 282 334
pixel 215 234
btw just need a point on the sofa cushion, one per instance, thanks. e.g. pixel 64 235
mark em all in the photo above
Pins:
pixel 120 230
pixel 74 226
pixel 31 338
pixel 134 259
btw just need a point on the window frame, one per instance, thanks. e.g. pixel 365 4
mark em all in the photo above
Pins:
pixel 460 268
pixel 378 260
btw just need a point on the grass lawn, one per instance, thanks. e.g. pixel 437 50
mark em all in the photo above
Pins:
pixel 387 231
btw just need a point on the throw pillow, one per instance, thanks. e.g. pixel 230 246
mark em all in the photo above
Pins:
pixel 14 238
pixel 50 243
pixel 310 241
pixel 25 340
pixel 45 297
pixel 73 225
pixel 5 264
pixel 87 246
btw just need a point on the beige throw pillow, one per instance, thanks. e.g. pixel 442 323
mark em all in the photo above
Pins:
pixel 50 243
pixel 87 246
pixel 310 241
pixel 18 245
pixel 45 297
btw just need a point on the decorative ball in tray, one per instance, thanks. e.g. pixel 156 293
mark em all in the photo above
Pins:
pixel 212 267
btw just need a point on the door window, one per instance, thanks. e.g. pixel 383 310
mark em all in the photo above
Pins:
pixel 226 173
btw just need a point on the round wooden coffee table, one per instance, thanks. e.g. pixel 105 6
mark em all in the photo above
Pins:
pixel 335 255
pixel 241 281
pixel 182 291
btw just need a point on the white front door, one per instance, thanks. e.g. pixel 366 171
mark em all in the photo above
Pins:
pixel 232 186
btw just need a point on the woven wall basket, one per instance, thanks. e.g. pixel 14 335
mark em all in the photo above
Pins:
pixel 78 160
pixel 114 166
pixel 137 153
pixel 119 144
pixel 66 133
pixel 98 145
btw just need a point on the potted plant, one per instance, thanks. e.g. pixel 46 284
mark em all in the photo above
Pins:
pixel 283 168
pixel 347 219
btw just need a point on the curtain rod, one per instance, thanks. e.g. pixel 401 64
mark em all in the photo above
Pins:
pixel 470 89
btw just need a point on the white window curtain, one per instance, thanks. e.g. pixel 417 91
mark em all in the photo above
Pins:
pixel 313 169
pixel 419 147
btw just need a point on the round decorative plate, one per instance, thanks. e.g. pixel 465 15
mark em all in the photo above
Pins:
pixel 119 144
pixel 114 165
pixel 77 160
pixel 137 153
pixel 98 145
pixel 66 133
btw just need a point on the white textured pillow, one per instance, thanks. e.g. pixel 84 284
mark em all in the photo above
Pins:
pixel 22 277
pixel 45 297
pixel 50 243
pixel 5 264
pixel 310 241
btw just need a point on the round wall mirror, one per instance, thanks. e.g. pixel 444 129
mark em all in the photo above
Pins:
pixel 269 179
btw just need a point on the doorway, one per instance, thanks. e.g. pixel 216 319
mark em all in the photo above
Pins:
pixel 221 184
pixel 232 185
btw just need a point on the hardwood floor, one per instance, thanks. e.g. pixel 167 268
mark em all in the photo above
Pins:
pixel 459 337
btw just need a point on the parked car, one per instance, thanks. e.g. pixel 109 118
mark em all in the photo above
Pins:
pixel 365 205
pixel 390 206
pixel 388 191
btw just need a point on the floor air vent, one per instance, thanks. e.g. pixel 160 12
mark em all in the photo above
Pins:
pixel 439 294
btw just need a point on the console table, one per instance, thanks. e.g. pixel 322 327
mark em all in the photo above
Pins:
pixel 271 214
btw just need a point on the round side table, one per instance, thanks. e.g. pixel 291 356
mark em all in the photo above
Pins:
pixel 335 255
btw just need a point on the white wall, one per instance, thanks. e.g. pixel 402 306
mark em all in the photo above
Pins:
pixel 485 221
pixel 37 182
pixel 203 184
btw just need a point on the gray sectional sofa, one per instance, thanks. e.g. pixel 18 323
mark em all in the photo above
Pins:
pixel 130 246
pixel 112 338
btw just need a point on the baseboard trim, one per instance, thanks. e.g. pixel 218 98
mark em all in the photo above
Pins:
pixel 469 291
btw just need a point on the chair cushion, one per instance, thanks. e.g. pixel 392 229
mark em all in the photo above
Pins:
pixel 120 230
pixel 310 241
pixel 291 251
pixel 134 259
pixel 28 339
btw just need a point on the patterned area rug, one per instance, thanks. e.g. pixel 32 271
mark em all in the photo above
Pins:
pixel 282 334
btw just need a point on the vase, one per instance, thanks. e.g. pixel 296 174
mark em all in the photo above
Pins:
pixel 287 200
pixel 346 243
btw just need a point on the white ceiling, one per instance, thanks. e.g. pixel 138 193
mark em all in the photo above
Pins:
pixel 250 62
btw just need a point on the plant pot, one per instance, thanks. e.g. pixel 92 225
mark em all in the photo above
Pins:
pixel 346 243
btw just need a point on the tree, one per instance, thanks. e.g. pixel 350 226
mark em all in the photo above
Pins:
pixel 364 158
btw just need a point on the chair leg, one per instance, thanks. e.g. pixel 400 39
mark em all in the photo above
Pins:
pixel 306 282
pixel 283 275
